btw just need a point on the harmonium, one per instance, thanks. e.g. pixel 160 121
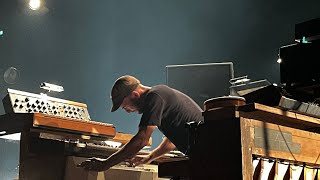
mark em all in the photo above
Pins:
pixel 56 134
pixel 249 141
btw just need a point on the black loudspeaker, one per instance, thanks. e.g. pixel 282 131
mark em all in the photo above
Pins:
pixel 299 64
pixel 310 30
pixel 268 95
pixel 201 81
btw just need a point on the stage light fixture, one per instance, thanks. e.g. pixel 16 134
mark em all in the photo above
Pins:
pixel 14 136
pixel 51 87
pixel 34 4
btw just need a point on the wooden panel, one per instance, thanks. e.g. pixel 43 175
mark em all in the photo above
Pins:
pixel 66 135
pixel 17 122
pixel 308 143
pixel 246 150
pixel 74 125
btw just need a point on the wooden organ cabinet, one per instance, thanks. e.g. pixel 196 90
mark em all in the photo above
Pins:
pixel 58 134
pixel 248 142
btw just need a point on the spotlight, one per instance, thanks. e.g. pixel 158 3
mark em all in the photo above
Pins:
pixel 34 4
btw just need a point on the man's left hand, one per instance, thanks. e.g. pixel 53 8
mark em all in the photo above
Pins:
pixel 139 159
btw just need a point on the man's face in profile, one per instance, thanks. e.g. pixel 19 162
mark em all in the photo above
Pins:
pixel 132 104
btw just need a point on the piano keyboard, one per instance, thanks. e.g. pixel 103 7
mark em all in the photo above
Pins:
pixel 103 150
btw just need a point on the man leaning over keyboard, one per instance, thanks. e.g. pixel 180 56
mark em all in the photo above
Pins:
pixel 161 107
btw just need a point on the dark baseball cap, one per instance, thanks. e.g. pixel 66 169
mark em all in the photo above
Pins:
pixel 122 88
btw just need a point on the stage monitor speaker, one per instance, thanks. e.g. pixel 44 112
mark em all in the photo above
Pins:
pixel 201 81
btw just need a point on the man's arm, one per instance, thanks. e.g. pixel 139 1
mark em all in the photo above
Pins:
pixel 138 141
pixel 165 147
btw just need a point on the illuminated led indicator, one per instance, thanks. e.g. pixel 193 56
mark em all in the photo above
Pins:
pixel 279 60
pixel 1 33
pixel 304 40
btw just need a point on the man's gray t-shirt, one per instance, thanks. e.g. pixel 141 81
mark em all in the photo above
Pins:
pixel 170 110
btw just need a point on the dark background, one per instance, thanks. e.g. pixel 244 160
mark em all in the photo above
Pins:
pixel 85 45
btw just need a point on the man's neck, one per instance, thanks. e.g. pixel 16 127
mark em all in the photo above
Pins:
pixel 142 89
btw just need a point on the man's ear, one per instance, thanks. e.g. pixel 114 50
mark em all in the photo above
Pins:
pixel 135 94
